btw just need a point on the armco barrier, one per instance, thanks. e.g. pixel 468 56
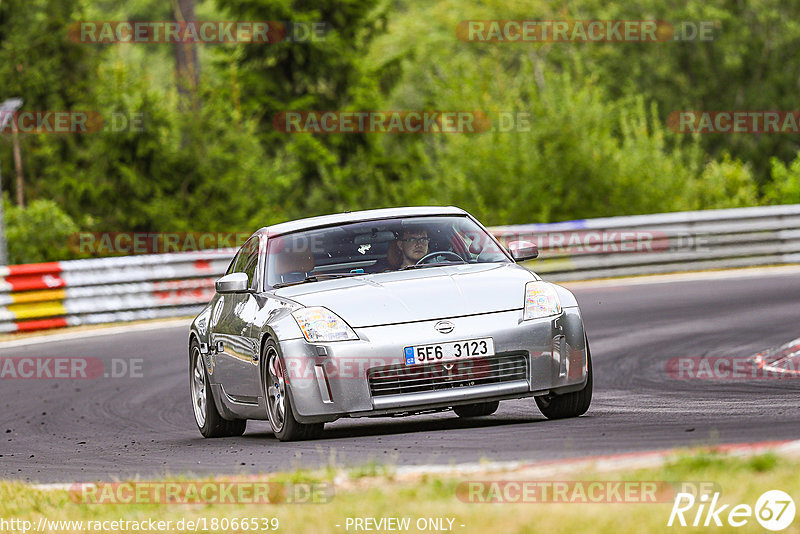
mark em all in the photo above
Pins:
pixel 67 293
pixel 662 243
pixel 70 293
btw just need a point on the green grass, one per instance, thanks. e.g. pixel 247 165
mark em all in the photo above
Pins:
pixel 377 491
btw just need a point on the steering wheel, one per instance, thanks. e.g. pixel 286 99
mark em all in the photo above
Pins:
pixel 426 257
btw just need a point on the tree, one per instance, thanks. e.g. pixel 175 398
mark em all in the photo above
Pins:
pixel 187 67
pixel 39 63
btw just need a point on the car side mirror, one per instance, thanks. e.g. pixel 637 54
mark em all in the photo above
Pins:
pixel 233 283
pixel 523 250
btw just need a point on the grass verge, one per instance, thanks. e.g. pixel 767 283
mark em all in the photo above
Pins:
pixel 377 492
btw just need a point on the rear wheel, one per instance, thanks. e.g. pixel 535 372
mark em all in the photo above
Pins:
pixel 569 404
pixel 279 405
pixel 476 410
pixel 208 419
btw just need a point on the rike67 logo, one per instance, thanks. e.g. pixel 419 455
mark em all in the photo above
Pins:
pixel 774 510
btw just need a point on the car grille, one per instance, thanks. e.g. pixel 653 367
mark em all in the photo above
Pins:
pixel 399 379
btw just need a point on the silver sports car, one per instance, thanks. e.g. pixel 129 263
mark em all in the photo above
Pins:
pixel 383 312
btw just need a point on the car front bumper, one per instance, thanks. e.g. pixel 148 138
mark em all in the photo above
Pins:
pixel 332 380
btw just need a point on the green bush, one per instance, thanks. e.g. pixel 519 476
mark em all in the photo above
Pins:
pixel 38 232
pixel 785 185
pixel 724 184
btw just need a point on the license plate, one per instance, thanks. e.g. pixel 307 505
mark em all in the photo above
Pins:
pixel 452 350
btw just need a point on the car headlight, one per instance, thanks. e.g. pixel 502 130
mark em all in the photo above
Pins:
pixel 321 324
pixel 541 300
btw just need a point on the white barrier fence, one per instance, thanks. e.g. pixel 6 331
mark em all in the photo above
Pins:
pixel 68 293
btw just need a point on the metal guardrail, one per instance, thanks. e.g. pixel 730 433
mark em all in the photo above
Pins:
pixel 78 292
pixel 662 243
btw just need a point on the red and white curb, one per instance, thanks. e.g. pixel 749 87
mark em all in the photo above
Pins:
pixel 613 462
pixel 783 360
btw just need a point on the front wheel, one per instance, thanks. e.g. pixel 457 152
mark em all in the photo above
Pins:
pixel 279 406
pixel 569 404
pixel 208 419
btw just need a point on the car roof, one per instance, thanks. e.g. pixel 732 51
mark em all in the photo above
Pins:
pixel 357 216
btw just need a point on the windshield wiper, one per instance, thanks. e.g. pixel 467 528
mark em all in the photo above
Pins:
pixel 316 278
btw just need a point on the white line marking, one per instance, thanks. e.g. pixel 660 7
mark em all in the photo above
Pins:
pixel 122 329
pixel 679 277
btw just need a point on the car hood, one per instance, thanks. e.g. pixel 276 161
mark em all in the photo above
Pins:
pixel 417 295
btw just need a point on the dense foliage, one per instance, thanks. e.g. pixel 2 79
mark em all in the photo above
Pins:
pixel 210 159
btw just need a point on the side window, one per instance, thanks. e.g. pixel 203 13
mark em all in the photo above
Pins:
pixel 246 259
pixel 241 259
pixel 250 266
pixel 248 263
pixel 232 266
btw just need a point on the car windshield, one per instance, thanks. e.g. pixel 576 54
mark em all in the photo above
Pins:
pixel 378 246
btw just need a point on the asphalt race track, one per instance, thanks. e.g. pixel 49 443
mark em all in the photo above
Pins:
pixel 110 428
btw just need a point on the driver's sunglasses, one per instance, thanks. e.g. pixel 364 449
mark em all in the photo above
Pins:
pixel 417 240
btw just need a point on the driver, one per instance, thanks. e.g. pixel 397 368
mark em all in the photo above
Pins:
pixel 410 246
pixel 413 245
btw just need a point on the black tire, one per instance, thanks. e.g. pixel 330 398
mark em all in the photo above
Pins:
pixel 208 419
pixel 278 401
pixel 569 404
pixel 476 410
